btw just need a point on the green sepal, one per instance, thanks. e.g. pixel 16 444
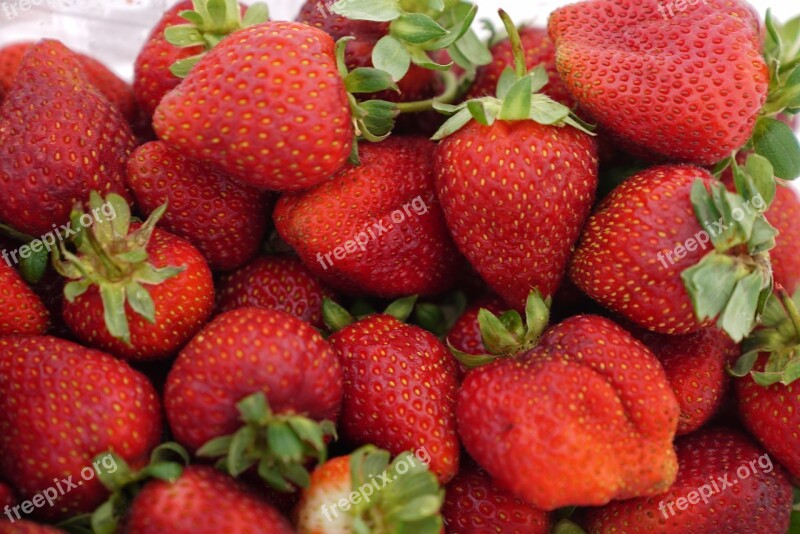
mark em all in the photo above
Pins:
pixel 416 28
pixel 775 141
pixel 431 318
pixel 335 316
pixel 401 308
pixel 33 268
pixel 374 10
pixel 368 80
pixel 392 56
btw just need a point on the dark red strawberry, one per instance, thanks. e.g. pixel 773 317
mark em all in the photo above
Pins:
pixel 725 483
pixel 279 282
pixel 226 221
pixel 62 405
pixel 202 501
pixel 21 311
pixel 7 497
pixel 785 257
pixel 55 117
pixel 399 390
pixel 375 228
pixel 475 505
pixel 26 527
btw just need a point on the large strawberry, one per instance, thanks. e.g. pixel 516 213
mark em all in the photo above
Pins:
pixel 59 139
pixel 725 483
pixel 282 376
pixel 376 228
pixel 61 405
pixel 21 311
pixel 226 221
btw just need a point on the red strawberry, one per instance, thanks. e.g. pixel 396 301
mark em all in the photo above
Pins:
pixel 399 390
pixel 7 497
pixel 202 501
pixel 785 257
pixel 365 489
pixel 61 405
pixel 611 437
pixel 725 483
pixel 211 115
pixel 252 351
pixel 656 82
pixel 375 228
pixel 226 221
pixel 279 282
pixel 55 117
pixel 465 335
pixel 26 527
pixel 474 505
pixel 21 311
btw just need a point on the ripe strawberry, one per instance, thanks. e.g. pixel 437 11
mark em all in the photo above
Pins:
pixel 211 115
pixel 279 282
pixel 465 335
pixel 26 527
pixel 474 504
pixel 656 83
pixel 226 221
pixel 364 492
pixel 725 483
pixel 202 501
pixel 399 390
pixel 21 311
pixel 147 292
pixel 785 257
pixel 612 438
pixel 53 115
pixel 55 397
pixel 245 354
pixel 375 228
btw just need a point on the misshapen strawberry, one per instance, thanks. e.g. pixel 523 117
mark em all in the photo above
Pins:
pixel 21 311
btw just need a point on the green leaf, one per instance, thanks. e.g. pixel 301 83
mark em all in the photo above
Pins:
pixel 379 116
pixel 182 67
pixel 368 80
pixel 184 35
pixel 775 141
pixel 284 443
pixel 517 104
pixel 374 10
pixel 254 409
pixel 416 28
pixel 297 474
pixel 34 267
pixel 479 113
pixel 418 508
pixel 401 308
pixel 114 314
pixel 506 81
pixel 473 49
pixel 335 316
pixel 390 55
pixel 545 110
pixel 453 124
pixel 744 364
pixel 215 447
pixel 238 460
pixel 496 336
pixel 739 316
pixel 140 301
pixel 257 13
pixel 710 283
pixel 458 22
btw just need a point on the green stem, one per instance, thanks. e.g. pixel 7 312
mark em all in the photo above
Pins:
pixel 520 68
pixel 791 310
pixel 448 95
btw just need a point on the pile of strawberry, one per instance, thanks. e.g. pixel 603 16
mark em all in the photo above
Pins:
pixel 365 273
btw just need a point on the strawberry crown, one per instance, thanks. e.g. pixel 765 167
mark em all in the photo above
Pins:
pixel 337 317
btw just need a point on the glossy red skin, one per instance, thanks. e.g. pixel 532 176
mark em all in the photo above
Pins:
pixel 412 254
pixel 539 50
pixel 783 214
pixel 772 415
pixel 279 282
pixel 183 305
pixel 26 527
pixel 21 311
pixel 62 405
pixel 515 196
pixel 299 134
pixel 758 503
pixel 226 221
pixel 202 501
pixel 473 504
pixel 59 139
pixel 617 260
pixel 265 350
pixel 399 390
pixel 661 84
pixel 585 417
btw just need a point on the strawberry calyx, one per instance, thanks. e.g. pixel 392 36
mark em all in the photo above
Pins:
pixel 278 445
pixel 337 317
pixel 410 502
pixel 506 336
pixel 114 259
pixel 517 97
pixel 32 268
pixel 208 23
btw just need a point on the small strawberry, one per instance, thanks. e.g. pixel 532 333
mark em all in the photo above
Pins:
pixel 473 504
pixel 399 390
pixel 55 397
pixel 27 527
pixel 21 311
pixel 279 372
pixel 375 228
pixel 136 291
pixel 725 483
pixel 55 117
pixel 226 221
pixel 279 282
pixel 363 492
pixel 202 501
pixel 465 335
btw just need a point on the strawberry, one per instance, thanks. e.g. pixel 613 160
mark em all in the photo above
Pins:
pixel 785 257
pixel 54 116
pixel 284 376
pixel 375 228
pixel 226 221
pixel 637 72
pixel 26 527
pixel 49 450
pixel 603 445
pixel 363 492
pixel 7 497
pixel 725 483
pixel 211 115
pixel 465 334
pixel 202 501
pixel 399 390
pixel 279 282
pixel 136 291
pixel 473 504
pixel 21 311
